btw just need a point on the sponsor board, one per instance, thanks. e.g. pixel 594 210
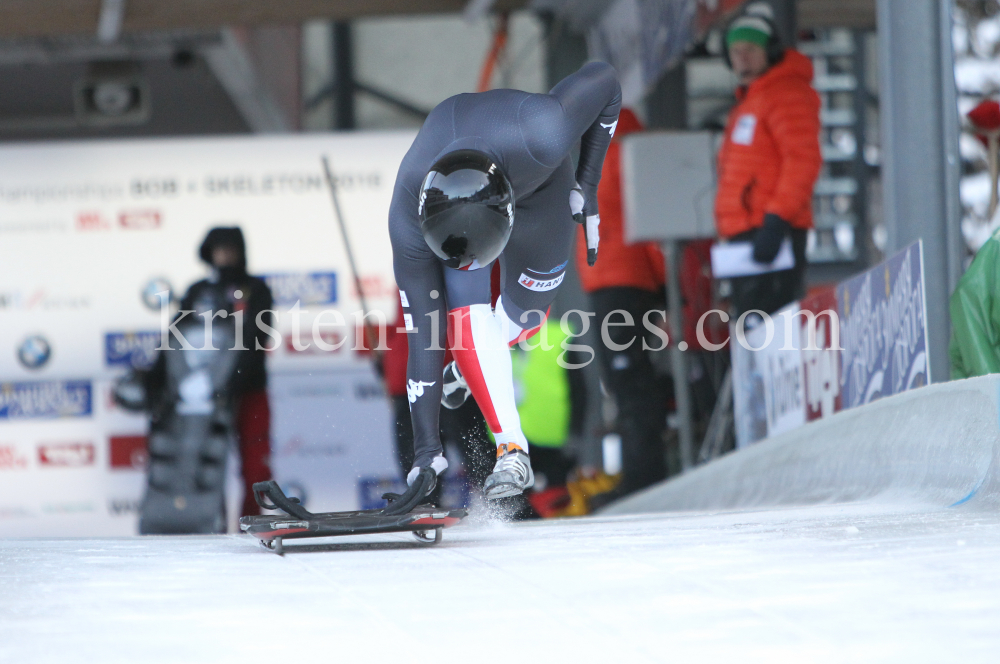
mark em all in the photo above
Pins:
pixel 370 490
pixel 883 329
pixel 127 452
pixel 136 211
pixel 455 491
pixel 877 347
pixel 769 395
pixel 131 349
pixel 45 400
pixel 304 288
pixel 11 458
pixel 66 455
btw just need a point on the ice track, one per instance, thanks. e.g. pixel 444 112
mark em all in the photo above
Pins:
pixel 871 536
pixel 846 583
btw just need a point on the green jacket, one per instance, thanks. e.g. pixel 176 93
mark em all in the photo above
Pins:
pixel 975 316
pixel 542 390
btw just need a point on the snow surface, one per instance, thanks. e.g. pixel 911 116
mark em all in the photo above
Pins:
pixel 828 583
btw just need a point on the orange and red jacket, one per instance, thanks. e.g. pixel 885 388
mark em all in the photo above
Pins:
pixel 770 157
pixel 618 264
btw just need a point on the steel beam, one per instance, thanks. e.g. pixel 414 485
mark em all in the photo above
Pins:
pixel 920 159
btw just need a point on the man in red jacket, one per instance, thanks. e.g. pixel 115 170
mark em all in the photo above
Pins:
pixel 628 277
pixel 770 158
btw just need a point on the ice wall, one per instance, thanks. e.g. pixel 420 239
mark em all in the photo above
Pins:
pixel 937 445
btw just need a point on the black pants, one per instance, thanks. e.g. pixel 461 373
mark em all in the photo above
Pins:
pixel 629 375
pixel 770 292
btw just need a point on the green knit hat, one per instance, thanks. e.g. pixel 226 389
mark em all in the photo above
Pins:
pixel 753 29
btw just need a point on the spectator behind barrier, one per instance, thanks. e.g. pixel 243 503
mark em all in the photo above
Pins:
pixel 230 287
pixel 628 277
pixel 770 158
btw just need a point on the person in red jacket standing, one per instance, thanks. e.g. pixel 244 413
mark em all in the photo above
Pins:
pixel 630 278
pixel 770 158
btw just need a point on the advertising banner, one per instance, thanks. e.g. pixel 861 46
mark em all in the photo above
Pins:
pixel 95 236
pixel 837 348
pixel 770 375
pixel 884 329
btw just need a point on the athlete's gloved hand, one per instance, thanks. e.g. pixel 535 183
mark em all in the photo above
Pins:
pixel 767 241
pixel 590 223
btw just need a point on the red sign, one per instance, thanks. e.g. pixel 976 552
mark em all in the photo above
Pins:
pixel 10 459
pixel 91 221
pixel 70 455
pixel 140 220
pixel 128 452
pixel 821 365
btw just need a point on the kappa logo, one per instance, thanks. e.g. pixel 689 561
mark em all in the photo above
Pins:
pixel 415 390
pixel 611 127
pixel 540 285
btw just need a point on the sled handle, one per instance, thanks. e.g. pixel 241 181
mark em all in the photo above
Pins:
pixel 279 501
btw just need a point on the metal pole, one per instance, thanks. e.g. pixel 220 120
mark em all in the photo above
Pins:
pixel 678 360
pixel 332 184
pixel 343 76
pixel 785 19
pixel 920 164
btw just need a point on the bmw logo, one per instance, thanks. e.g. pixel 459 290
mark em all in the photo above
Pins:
pixel 153 293
pixel 34 352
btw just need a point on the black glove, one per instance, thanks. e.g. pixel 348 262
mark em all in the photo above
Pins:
pixel 767 241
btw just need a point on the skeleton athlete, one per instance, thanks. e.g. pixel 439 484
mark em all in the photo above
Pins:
pixel 490 177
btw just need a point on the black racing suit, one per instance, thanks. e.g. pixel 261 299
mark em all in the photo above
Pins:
pixel 531 137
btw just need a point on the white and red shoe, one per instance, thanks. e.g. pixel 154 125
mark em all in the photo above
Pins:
pixel 512 473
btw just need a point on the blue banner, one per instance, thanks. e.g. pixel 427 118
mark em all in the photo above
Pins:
pixel 304 288
pixel 46 400
pixel 131 349
pixel 883 330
